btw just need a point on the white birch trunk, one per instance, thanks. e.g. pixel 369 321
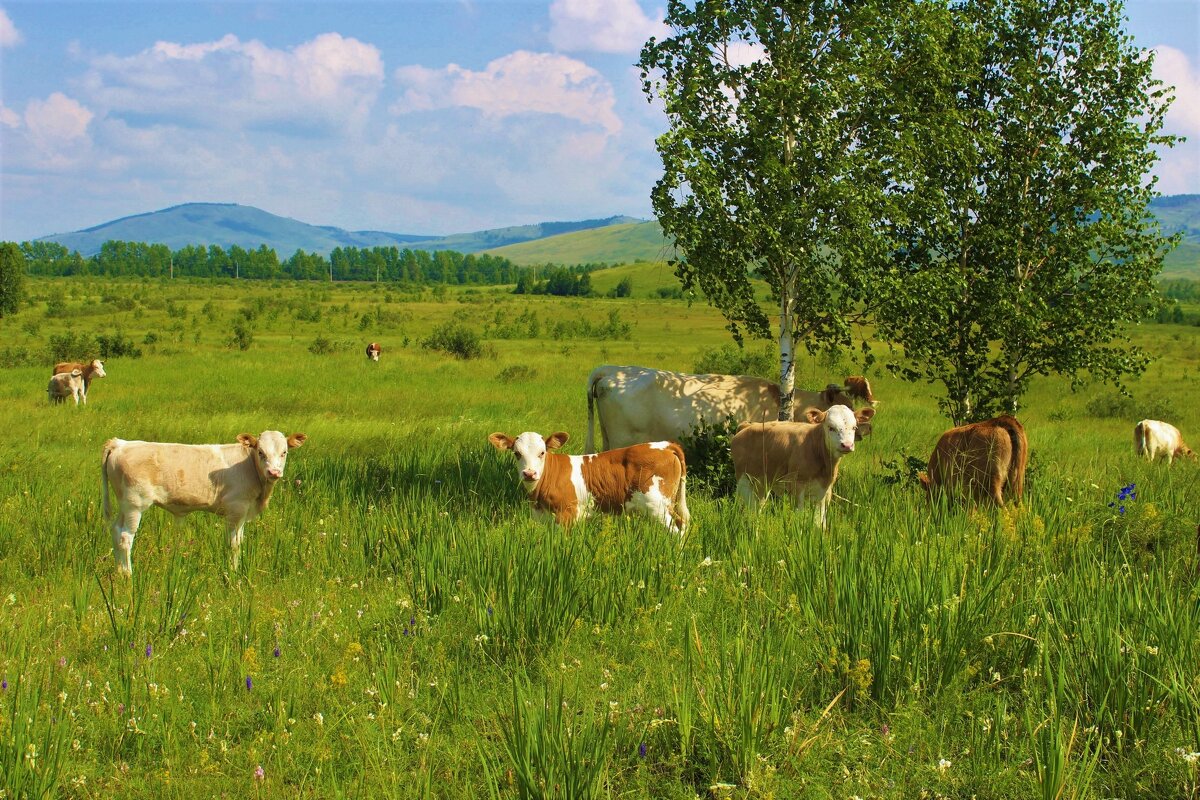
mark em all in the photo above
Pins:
pixel 787 357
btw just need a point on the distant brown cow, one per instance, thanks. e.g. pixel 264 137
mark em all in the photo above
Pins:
pixel 373 351
pixel 90 369
pixel 979 460
pixel 64 385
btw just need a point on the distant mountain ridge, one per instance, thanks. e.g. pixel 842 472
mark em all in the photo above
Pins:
pixel 226 224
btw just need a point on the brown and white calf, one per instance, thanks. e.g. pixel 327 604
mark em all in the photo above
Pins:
pixel 373 351
pixel 90 369
pixel 64 385
pixel 978 461
pixel 234 481
pixel 799 458
pixel 648 479
pixel 1154 439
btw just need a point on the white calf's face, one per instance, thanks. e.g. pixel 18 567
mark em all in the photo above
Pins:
pixel 839 426
pixel 530 449
pixel 270 451
pixel 98 369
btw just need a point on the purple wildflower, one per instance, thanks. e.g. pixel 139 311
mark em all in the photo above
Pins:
pixel 249 683
pixel 642 750
pixel 259 774
pixel 4 685
pixel 277 651
pixel 149 650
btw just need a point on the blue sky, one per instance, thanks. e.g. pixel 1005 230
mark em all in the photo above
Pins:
pixel 410 117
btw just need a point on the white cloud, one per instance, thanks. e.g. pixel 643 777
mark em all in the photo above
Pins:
pixel 9 35
pixel 9 118
pixel 57 119
pixel 1173 68
pixel 328 82
pixel 518 83
pixel 605 26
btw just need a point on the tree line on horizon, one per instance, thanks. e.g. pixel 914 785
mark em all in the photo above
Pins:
pixel 389 264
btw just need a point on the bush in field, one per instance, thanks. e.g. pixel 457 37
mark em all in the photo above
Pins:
pixel 18 357
pixel 525 325
pixel 516 373
pixel 729 359
pixel 117 345
pixel 241 338
pixel 614 328
pixel 322 346
pixel 669 293
pixel 72 347
pixel 709 466
pixel 1119 406
pixel 902 470
pixel 455 339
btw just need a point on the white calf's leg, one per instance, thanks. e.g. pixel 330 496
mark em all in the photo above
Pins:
pixel 235 541
pixel 125 528
pixel 747 494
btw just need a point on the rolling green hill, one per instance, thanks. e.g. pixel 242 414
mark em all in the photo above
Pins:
pixel 613 244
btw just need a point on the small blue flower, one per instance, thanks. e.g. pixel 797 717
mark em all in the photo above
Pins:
pixel 149 650
pixel 642 750
pixel 249 683
pixel 490 612
pixel 277 651
pixel 1121 509
pixel 4 685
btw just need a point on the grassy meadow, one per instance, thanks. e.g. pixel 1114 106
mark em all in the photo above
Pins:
pixel 400 627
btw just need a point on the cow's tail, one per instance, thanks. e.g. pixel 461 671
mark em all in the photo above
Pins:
pixel 1020 455
pixel 593 380
pixel 1139 438
pixel 683 517
pixel 109 446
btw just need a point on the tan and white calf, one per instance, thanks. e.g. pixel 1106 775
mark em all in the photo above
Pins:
pixel 648 479
pixel 64 385
pixel 1154 439
pixel 233 481
pixel 980 460
pixel 798 458
pixel 89 369
pixel 639 404
pixel 373 351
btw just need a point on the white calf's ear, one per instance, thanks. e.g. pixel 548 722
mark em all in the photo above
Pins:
pixel 501 441
pixel 814 416
pixel 297 439
pixel 864 414
pixel 557 440
pixel 248 439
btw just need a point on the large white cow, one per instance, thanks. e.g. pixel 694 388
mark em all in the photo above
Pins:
pixel 637 404
pixel 233 481
pixel 1154 439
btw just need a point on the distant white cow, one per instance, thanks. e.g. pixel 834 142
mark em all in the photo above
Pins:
pixel 638 404
pixel 233 481
pixel 90 369
pixel 64 385
pixel 1154 439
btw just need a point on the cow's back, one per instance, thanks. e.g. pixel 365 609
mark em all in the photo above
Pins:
pixel 972 458
pixel 637 404
pixel 178 477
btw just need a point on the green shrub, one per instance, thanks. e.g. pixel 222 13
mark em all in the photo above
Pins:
pixel 455 339
pixel 709 465
pixel 72 347
pixel 729 359
pixel 241 338
pixel 322 346
pixel 516 373
pixel 118 345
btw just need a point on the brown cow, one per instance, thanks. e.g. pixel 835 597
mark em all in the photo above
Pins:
pixel 64 385
pixel 801 458
pixel 979 460
pixel 373 351
pixel 646 478
pixel 234 481
pixel 90 369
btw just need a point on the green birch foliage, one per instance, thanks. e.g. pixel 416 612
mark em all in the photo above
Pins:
pixel 12 278
pixel 777 159
pixel 1027 243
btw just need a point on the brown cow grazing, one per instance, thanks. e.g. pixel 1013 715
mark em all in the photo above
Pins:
pixel 648 478
pixel 638 404
pixel 979 460
pixel 373 351
pixel 90 369
pixel 800 458
pixel 233 481
pixel 1154 439
pixel 64 385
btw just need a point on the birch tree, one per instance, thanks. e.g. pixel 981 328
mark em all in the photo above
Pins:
pixel 777 162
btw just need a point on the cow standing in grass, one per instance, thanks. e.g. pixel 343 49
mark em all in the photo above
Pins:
pixel 799 458
pixel 234 481
pixel 89 369
pixel 1153 439
pixel 64 385
pixel 649 479
pixel 979 461
pixel 637 404
pixel 373 351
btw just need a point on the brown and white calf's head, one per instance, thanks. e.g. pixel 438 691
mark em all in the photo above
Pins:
pixel 97 369
pixel 373 351
pixel 270 451
pixel 842 427
pixel 530 449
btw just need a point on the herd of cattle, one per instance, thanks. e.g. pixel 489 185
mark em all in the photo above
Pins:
pixel 642 413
